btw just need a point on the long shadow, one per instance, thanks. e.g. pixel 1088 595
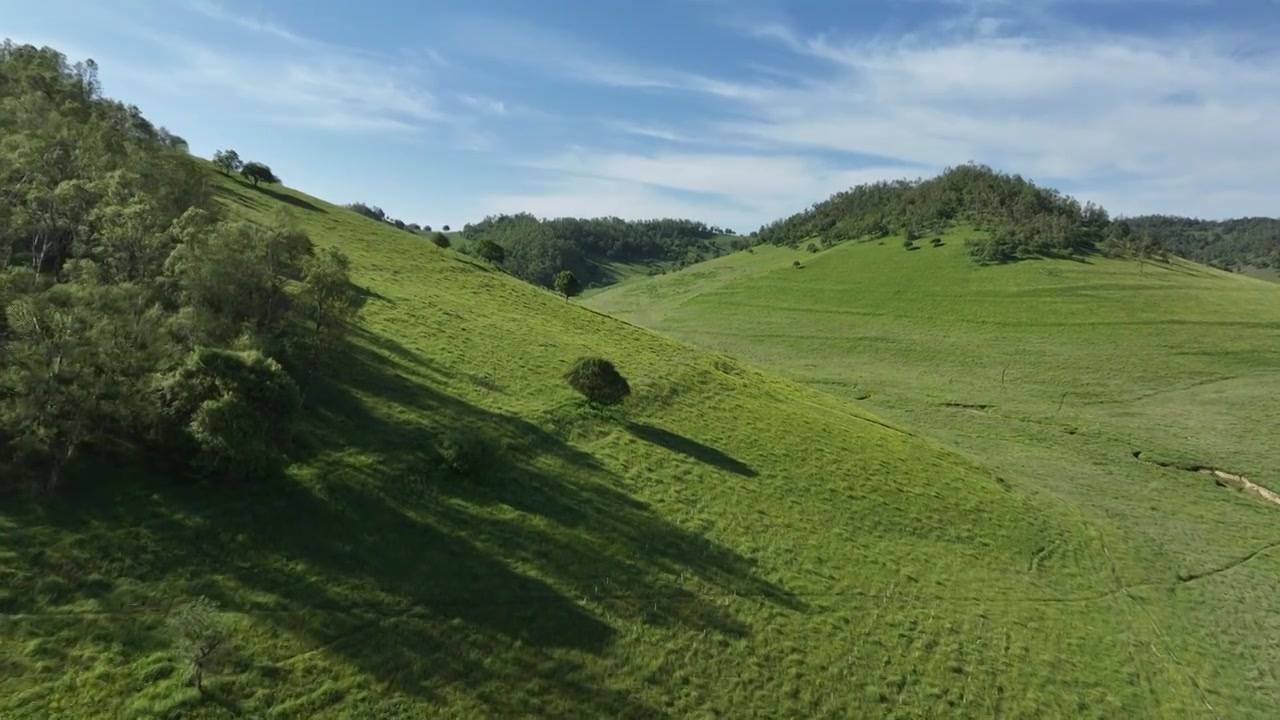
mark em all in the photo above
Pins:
pixel 422 579
pixel 691 448
pixel 289 199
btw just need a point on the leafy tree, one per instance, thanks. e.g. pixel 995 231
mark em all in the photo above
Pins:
pixel 598 381
pixel 228 161
pixel 795 264
pixel 256 172
pixel 75 365
pixel 398 223
pixel 326 303
pixel 490 250
pixel 232 280
pixel 441 240
pixel 811 247
pixel 414 227
pixel 369 211
pixel 234 408
pixel 426 228
pixel 200 637
pixel 445 228
pixel 567 285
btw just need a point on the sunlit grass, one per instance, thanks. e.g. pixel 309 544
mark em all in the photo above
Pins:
pixel 1054 373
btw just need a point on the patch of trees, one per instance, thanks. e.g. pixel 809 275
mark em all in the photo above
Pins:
pixel 1232 244
pixel 134 318
pixel 535 250
pixel 1020 219
pixel 374 212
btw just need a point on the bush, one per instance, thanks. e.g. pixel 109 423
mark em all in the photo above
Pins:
pixel 908 243
pixel 490 250
pixel 441 240
pixel 233 409
pixel 811 247
pixel 459 452
pixel 795 264
pixel 936 242
pixel 200 637
pixel 598 381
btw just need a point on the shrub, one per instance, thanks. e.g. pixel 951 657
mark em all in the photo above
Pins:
pixel 233 409
pixel 441 240
pixel 911 234
pixel 811 247
pixel 459 452
pixel 908 243
pixel 598 381
pixel 200 636
pixel 795 264
pixel 936 242
pixel 490 250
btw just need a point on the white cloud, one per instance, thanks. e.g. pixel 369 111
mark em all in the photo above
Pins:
pixel 484 104
pixel 1081 109
pixel 740 190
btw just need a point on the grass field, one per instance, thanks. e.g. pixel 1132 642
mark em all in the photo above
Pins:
pixel 1064 377
pixel 735 544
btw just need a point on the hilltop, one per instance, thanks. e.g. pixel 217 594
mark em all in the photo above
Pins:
pixel 433 523
pixel 1110 389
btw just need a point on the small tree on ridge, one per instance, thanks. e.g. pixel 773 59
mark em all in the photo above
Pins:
pixel 228 161
pixel 256 172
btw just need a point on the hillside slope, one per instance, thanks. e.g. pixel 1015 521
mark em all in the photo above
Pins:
pixel 1076 380
pixel 737 544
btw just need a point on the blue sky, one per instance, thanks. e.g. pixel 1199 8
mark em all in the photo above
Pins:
pixel 731 111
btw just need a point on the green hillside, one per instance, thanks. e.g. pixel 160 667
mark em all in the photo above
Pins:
pixel 735 543
pixel 1072 379
pixel 210 462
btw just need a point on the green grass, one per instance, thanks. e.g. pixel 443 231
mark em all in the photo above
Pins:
pixel 734 544
pixel 1054 373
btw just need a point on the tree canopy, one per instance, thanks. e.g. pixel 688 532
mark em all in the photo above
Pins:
pixel 538 249
pixel 132 313
pixel 256 172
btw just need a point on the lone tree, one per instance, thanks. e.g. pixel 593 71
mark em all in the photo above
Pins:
pixel 441 240
pixel 445 228
pixel 256 172
pixel 426 228
pixel 199 635
pixel 228 161
pixel 491 251
pixel 598 381
pixel 567 285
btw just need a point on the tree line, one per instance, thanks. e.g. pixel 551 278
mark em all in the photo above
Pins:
pixel 1230 244
pixel 536 250
pixel 135 318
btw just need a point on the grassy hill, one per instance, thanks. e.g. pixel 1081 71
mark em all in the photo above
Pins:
pixel 1085 384
pixel 736 544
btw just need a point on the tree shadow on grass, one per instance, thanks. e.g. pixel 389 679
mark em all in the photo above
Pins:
pixel 288 199
pixel 498 585
pixel 691 448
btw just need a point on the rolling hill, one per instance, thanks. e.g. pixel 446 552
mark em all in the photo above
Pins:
pixel 1108 390
pixel 733 544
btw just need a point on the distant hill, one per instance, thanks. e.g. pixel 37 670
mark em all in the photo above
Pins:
pixel 1018 218
pixel 596 250
pixel 1240 244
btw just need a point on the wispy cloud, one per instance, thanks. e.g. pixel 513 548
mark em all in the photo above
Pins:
pixel 299 80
